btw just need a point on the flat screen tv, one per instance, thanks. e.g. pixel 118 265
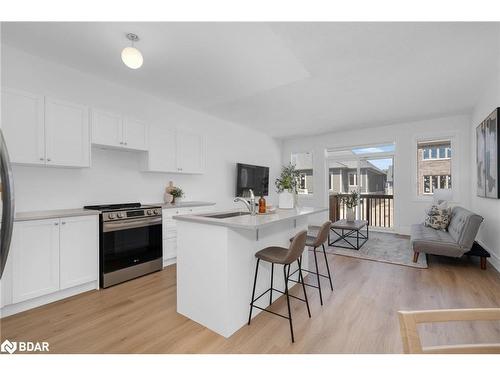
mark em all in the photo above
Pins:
pixel 252 177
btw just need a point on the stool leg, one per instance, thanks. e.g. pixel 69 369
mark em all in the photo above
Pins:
pixel 301 279
pixel 327 267
pixel 271 291
pixel 483 263
pixel 317 275
pixel 253 291
pixel 288 300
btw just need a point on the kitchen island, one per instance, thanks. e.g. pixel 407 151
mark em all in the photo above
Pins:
pixel 216 262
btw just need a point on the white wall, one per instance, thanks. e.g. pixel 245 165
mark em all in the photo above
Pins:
pixel 114 175
pixel 489 234
pixel 408 208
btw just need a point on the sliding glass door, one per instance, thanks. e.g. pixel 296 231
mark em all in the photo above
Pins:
pixel 369 171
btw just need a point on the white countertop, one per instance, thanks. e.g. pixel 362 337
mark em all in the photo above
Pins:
pixel 68 212
pixel 251 222
pixel 183 204
pixel 52 214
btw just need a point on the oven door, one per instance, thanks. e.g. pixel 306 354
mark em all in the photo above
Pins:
pixel 130 242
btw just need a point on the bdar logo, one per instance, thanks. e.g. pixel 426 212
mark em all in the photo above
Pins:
pixel 8 347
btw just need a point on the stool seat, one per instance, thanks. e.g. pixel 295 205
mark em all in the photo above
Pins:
pixel 310 240
pixel 273 254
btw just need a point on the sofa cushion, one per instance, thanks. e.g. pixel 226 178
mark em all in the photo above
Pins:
pixel 463 227
pixel 438 218
pixel 432 241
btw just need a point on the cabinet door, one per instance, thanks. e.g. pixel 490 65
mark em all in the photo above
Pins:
pixel 135 134
pixel 35 260
pixel 162 151
pixel 169 248
pixel 107 128
pixel 67 134
pixel 23 126
pixel 79 250
pixel 190 153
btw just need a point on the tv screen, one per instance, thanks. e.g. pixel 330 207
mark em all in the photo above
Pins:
pixel 252 177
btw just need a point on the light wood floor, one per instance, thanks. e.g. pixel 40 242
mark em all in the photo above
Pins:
pixel 358 317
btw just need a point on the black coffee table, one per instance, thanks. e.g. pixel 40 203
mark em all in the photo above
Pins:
pixel 349 231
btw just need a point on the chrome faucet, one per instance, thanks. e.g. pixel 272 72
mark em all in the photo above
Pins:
pixel 250 205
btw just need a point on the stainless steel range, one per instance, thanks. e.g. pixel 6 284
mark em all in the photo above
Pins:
pixel 130 242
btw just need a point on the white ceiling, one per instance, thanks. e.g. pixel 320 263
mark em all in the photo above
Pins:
pixel 286 79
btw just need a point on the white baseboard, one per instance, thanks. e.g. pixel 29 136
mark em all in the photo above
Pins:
pixel 168 262
pixel 49 298
pixel 494 260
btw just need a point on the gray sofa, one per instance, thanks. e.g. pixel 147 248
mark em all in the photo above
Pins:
pixel 455 242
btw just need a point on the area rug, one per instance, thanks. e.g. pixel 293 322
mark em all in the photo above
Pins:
pixel 383 247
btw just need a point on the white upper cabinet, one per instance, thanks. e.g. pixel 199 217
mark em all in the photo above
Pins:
pixel 23 126
pixel 114 130
pixel 35 251
pixel 67 134
pixel 135 134
pixel 107 128
pixel 175 151
pixel 79 241
pixel 162 151
pixel 190 155
pixel 45 131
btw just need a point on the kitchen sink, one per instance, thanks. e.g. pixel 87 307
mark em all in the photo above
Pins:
pixel 227 214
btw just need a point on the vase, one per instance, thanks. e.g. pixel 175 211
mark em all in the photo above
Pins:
pixel 286 200
pixel 168 198
pixel 350 214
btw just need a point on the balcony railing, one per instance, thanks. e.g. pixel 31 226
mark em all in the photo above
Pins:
pixel 378 209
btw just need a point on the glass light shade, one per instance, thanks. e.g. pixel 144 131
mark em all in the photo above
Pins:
pixel 132 57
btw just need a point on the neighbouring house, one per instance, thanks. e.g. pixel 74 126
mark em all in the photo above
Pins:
pixel 373 180
pixel 434 166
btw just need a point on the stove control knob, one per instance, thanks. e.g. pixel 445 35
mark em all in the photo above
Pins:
pixel 149 212
pixel 157 211
pixel 120 215
pixel 111 216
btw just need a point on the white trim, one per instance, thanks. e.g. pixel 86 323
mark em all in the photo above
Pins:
pixel 16 308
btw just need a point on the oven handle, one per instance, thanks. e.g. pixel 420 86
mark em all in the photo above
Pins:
pixel 131 223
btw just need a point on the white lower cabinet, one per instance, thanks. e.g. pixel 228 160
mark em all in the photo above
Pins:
pixel 35 259
pixel 170 230
pixel 78 251
pixel 48 260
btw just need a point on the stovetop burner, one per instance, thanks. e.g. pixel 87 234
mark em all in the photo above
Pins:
pixel 113 207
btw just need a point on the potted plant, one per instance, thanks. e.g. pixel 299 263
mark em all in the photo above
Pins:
pixel 177 193
pixel 286 186
pixel 350 201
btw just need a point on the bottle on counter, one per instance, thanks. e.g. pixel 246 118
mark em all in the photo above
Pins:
pixel 262 205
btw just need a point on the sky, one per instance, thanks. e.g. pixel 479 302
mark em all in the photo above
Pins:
pixel 379 163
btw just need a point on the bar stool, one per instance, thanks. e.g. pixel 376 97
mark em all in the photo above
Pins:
pixel 284 256
pixel 313 242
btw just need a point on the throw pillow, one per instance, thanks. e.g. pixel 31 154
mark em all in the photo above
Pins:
pixel 438 218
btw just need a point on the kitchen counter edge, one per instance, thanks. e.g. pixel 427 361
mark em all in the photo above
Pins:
pixel 265 220
pixel 53 214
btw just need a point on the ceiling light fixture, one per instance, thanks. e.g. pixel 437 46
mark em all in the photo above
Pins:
pixel 131 56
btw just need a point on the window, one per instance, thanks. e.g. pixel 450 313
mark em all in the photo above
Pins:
pixel 433 166
pixel 436 182
pixel 353 179
pixel 436 152
pixel 303 162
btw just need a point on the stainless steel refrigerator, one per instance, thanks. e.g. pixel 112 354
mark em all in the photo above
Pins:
pixel 6 204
